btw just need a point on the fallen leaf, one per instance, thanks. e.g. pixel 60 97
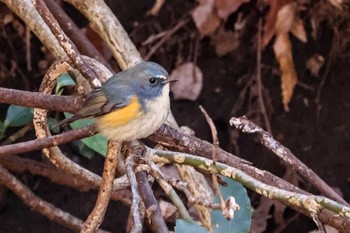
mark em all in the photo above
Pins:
pixel 205 18
pixel 224 41
pixel 226 7
pixel 189 81
pixel 329 229
pixel 298 29
pixel 283 52
pixel 167 209
pixel 156 7
pixel 270 19
pixel 337 3
pixel 314 64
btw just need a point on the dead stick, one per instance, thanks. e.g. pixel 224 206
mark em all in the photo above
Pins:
pixel 68 46
pixel 287 157
pixel 36 203
pixel 109 170
pixel 153 212
pixel 40 143
pixel 75 34
pixel 39 100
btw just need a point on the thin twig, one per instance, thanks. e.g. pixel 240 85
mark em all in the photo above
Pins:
pixel 166 37
pixel 288 158
pixel 167 188
pixel 214 134
pixel 37 144
pixel 18 134
pixel 68 46
pixel 109 170
pixel 258 79
pixel 153 212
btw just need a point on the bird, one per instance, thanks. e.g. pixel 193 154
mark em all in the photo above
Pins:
pixel 130 105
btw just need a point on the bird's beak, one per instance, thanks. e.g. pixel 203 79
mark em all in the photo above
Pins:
pixel 169 81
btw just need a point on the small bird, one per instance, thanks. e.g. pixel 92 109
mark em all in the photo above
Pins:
pixel 130 105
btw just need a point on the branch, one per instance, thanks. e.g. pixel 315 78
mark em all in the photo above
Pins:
pixel 67 45
pixel 135 226
pixel 37 144
pixel 287 157
pixel 37 204
pixel 109 170
pixel 153 212
pixel 308 204
pixel 39 100
pixel 175 140
pixel 105 24
pixel 75 33
pixel 21 165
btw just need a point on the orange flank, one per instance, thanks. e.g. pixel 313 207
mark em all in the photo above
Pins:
pixel 121 116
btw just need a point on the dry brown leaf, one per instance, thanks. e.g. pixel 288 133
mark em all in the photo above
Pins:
pixel 156 7
pixel 285 18
pixel 337 3
pixel 205 18
pixel 270 19
pixel 225 7
pixel 167 209
pixel 298 30
pixel 283 51
pixel 329 229
pixel 314 64
pixel 224 41
pixel 190 81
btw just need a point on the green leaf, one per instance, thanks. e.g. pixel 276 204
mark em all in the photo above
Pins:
pixel 2 128
pixel 53 122
pixel 182 226
pixel 63 81
pixel 97 142
pixel 242 220
pixel 17 116
pixel 83 149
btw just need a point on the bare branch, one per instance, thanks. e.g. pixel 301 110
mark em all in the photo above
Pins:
pixel 136 225
pixel 39 100
pixel 75 34
pixel 287 157
pixel 153 212
pixel 38 204
pixel 68 46
pixel 40 143
pixel 104 22
pixel 109 170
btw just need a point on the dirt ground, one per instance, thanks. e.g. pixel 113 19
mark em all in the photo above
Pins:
pixel 315 129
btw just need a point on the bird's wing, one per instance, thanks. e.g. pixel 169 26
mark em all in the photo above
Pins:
pixel 96 104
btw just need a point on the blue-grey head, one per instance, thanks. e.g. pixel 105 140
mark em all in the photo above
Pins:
pixel 150 80
pixel 147 80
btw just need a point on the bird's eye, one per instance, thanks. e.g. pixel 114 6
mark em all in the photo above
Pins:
pixel 152 81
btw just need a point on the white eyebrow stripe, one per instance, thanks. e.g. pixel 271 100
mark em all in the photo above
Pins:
pixel 161 76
